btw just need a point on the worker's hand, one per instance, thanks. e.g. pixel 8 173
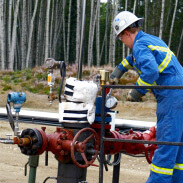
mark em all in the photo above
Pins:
pixel 114 81
pixel 117 73
pixel 134 96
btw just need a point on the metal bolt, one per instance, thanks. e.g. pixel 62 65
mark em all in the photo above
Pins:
pixel 59 147
pixel 8 135
pixel 43 128
pixel 62 152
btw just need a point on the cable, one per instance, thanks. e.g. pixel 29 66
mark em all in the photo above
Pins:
pixel 49 178
pixel 10 116
pixel 62 74
pixel 114 163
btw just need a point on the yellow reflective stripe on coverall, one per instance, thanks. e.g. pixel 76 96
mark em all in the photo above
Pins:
pixel 166 171
pixel 126 64
pixel 138 70
pixel 178 166
pixel 143 83
pixel 166 60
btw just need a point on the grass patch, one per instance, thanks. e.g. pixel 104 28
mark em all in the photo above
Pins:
pixel 6 78
pixel 6 87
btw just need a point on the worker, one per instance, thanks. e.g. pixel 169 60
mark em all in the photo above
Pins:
pixel 157 65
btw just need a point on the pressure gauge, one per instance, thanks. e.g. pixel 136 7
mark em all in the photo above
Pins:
pixel 111 102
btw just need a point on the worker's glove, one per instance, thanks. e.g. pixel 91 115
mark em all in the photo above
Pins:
pixel 134 96
pixel 115 76
pixel 117 73
pixel 114 81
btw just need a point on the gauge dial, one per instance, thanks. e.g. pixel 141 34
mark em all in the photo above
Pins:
pixel 111 102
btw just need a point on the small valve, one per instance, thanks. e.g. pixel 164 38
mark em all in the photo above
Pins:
pixel 50 63
pixel 17 98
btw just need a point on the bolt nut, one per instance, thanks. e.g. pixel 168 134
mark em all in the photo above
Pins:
pixel 59 141
pixel 62 152
pixel 59 147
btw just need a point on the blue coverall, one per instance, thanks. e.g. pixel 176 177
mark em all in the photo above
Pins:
pixel 156 64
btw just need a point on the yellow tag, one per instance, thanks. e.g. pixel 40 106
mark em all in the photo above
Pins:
pixel 49 78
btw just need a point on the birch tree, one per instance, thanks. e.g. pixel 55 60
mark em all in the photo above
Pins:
pixel 91 32
pixel 40 35
pixel 58 26
pixel 47 29
pixel 146 15
pixel 63 17
pixel 9 30
pixel 124 50
pixel 78 30
pixel 2 35
pixel 24 35
pixel 51 28
pixel 14 36
pixel 172 25
pixel 169 10
pixel 112 45
pixel 134 6
pixel 98 33
pixel 105 41
pixel 68 33
pixel 180 43
pixel 162 18
pixel 30 34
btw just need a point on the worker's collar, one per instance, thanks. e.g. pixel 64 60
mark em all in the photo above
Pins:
pixel 140 33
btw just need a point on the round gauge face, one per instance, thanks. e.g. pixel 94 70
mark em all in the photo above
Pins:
pixel 111 102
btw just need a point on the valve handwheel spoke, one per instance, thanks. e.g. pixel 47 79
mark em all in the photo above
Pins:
pixel 87 139
pixel 84 157
pixel 81 147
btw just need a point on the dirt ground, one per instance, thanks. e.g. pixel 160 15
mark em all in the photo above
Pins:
pixel 12 161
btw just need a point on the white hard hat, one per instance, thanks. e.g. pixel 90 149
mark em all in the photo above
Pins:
pixel 125 19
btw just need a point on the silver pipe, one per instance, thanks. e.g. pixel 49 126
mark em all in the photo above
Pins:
pixel 79 76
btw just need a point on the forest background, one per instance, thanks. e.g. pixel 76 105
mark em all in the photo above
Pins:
pixel 33 30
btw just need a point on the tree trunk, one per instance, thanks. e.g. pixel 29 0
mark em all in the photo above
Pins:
pixel 30 35
pixel 51 28
pixel 47 29
pixel 9 31
pixel 68 33
pixel 14 36
pixel 162 18
pixel 105 41
pixel 172 25
pixel 124 48
pixel 98 33
pixel 169 10
pixel 180 43
pixel 134 6
pixel 63 17
pixel 2 35
pixel 91 32
pixel 112 36
pixel 24 35
pixel 146 15
pixel 40 35
pixel 58 27
pixel 78 30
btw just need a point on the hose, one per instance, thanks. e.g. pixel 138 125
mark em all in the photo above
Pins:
pixel 62 74
pixel 49 178
pixel 10 116
pixel 114 163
